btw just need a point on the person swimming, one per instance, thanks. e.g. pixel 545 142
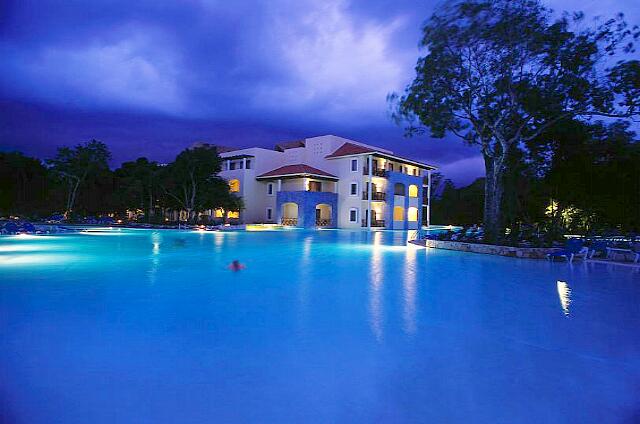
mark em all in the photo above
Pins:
pixel 236 266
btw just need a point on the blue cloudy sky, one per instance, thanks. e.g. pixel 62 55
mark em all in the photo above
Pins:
pixel 151 77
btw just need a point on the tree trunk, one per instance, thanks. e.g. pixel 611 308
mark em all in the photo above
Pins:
pixel 493 195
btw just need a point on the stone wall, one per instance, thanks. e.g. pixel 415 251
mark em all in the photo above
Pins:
pixel 489 249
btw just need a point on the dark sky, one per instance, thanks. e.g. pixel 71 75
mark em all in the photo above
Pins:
pixel 151 77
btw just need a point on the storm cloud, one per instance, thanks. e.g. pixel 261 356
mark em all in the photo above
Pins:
pixel 151 77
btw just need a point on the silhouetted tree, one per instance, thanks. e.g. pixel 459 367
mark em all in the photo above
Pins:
pixel 498 73
pixel 74 165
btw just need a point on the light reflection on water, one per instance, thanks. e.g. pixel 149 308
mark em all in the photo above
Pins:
pixel 375 288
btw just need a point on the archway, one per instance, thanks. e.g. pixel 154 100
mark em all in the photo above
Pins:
pixel 323 215
pixel 290 214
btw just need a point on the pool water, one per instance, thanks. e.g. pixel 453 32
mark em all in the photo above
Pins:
pixel 143 326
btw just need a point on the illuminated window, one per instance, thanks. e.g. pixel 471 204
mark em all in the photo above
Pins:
pixel 234 186
pixel 398 213
pixel 219 213
pixel 233 214
pixel 412 214
pixel 413 191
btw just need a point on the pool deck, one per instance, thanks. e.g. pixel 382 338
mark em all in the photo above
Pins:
pixel 510 251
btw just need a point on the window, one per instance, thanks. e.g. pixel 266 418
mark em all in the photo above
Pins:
pixel 248 163
pixel 412 214
pixel 269 214
pixel 398 213
pixel 315 186
pixel 354 165
pixel 390 167
pixel 353 215
pixel 233 214
pixel 232 166
pixel 415 172
pixel 240 164
pixel 270 189
pixel 354 189
pixel 234 186
pixel 219 213
pixel 398 189
pixel 413 190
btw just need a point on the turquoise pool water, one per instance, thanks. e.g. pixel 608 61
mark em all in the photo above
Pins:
pixel 142 326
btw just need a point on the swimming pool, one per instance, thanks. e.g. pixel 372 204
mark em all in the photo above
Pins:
pixel 143 326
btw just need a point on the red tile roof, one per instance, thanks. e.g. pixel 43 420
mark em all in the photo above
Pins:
pixel 350 149
pixel 299 169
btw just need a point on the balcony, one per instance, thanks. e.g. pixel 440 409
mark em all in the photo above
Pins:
pixel 323 222
pixel 289 222
pixel 375 172
pixel 376 196
pixel 374 222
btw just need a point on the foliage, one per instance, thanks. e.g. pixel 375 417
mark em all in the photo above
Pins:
pixel 25 186
pixel 498 73
pixel 191 183
pixel 138 187
pixel 74 165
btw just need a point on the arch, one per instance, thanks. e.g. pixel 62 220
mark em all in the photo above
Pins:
pixel 412 214
pixel 323 215
pixel 398 189
pixel 398 213
pixel 234 186
pixel 290 214
pixel 233 214
pixel 413 190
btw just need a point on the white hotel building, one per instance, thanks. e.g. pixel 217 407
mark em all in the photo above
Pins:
pixel 329 181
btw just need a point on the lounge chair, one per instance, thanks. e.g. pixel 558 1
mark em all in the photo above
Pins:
pixel 600 247
pixel 573 247
pixel 634 250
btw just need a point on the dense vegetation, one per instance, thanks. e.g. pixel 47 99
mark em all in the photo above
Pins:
pixel 578 178
pixel 78 182
pixel 499 74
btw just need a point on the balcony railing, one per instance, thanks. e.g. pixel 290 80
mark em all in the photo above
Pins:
pixel 289 222
pixel 375 196
pixel 375 172
pixel 323 222
pixel 374 222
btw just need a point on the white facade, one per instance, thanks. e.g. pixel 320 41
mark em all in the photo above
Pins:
pixel 267 179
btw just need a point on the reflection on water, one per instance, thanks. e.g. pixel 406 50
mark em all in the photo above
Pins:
pixel 376 311
pixel 305 280
pixel 564 293
pixel 156 239
pixel 409 290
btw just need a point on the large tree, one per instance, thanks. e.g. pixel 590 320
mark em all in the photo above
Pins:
pixel 74 165
pixel 191 182
pixel 138 186
pixel 497 73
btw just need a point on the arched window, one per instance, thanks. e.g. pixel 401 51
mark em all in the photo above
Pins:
pixel 219 213
pixel 234 186
pixel 413 190
pixel 233 214
pixel 412 214
pixel 398 189
pixel 398 213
